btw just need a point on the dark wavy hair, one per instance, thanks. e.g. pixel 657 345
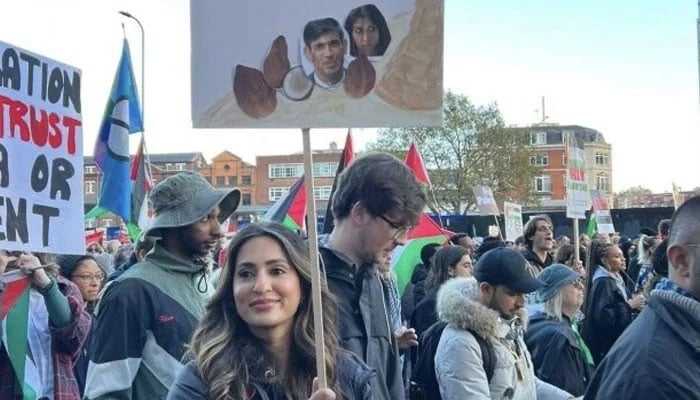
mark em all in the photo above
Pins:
pixel 228 356
pixel 371 12
pixel 444 260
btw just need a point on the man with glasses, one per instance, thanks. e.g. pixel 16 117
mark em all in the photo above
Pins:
pixel 376 203
pixel 657 355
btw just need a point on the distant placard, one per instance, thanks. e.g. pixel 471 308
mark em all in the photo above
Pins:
pixel 316 63
pixel 577 197
pixel 601 210
pixel 41 160
pixel 513 214
pixel 485 201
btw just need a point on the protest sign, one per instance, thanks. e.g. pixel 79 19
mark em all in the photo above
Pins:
pixel 602 212
pixel 41 160
pixel 485 201
pixel 577 196
pixel 316 63
pixel 513 214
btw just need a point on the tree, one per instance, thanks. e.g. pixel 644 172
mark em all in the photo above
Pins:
pixel 634 191
pixel 473 147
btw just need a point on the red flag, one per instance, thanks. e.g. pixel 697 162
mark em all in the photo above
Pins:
pixel 414 161
pixel 346 158
pixel 95 237
pixel 16 283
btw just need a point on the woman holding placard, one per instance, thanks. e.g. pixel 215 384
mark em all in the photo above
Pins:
pixel 256 340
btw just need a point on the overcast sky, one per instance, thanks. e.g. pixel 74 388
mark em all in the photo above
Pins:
pixel 627 68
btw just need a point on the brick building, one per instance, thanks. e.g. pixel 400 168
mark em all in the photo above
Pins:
pixel 277 173
pixel 549 153
pixel 227 170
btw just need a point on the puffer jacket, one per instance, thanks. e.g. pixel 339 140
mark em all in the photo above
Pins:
pixel 353 377
pixel 458 360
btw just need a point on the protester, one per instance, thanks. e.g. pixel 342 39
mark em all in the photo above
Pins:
pixel 415 290
pixel 489 243
pixel 57 325
pixel 539 241
pixel 559 354
pixel 89 277
pixel 376 203
pixel 659 263
pixel 609 307
pixel 490 307
pixel 122 255
pixel 405 337
pixel 565 255
pixel 143 246
pixel 449 262
pixel 663 229
pixel 657 356
pixel 256 340
pixel 645 251
pixel 462 239
pixel 149 312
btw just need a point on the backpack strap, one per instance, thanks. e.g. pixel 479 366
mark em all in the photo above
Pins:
pixel 488 355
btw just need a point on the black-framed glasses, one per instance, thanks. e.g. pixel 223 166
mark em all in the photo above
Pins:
pixel 400 230
pixel 98 277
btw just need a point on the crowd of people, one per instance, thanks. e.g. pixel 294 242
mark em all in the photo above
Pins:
pixel 177 315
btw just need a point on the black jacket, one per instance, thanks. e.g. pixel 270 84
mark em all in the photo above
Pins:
pixel 658 356
pixel 353 377
pixel 607 316
pixel 413 292
pixel 425 313
pixel 364 327
pixel 556 354
pixel 535 261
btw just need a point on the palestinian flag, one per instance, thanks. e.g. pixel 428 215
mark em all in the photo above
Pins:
pixel 141 185
pixel 405 258
pixel 591 225
pixel 15 313
pixel 290 209
pixel 345 159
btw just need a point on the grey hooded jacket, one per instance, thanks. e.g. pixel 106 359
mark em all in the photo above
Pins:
pixel 458 361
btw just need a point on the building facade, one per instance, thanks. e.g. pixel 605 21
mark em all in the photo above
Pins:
pixel 277 173
pixel 548 142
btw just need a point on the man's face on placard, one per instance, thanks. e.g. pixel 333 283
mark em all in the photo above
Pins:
pixel 327 52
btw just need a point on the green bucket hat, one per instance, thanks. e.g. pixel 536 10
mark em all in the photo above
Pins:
pixel 187 197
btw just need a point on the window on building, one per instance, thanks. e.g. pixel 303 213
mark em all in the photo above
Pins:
pixel 245 180
pixel 275 193
pixel 322 192
pixel 602 182
pixel 90 169
pixel 540 160
pixel 245 199
pixel 325 169
pixel 168 167
pixel 538 138
pixel 564 160
pixel 543 184
pixel 220 181
pixel 285 170
pixel 233 181
pixel 601 159
pixel 90 187
pixel 180 166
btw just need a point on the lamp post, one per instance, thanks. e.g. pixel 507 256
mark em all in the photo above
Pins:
pixel 143 65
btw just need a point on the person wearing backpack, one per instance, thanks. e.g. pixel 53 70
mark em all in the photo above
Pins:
pixel 490 305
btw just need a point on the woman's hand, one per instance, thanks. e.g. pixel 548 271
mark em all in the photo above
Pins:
pixel 31 268
pixel 4 261
pixel 321 394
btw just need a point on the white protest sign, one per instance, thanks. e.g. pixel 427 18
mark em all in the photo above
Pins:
pixel 513 214
pixel 41 160
pixel 603 217
pixel 316 63
pixel 577 196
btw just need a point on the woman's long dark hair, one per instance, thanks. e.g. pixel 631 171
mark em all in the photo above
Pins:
pixel 228 356
pixel 599 250
pixel 444 259
pixel 371 12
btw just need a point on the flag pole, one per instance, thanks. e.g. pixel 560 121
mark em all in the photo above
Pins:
pixel 313 255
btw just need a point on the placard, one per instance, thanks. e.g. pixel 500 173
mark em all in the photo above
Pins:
pixel 513 214
pixel 603 218
pixel 316 63
pixel 485 201
pixel 41 160
pixel 577 196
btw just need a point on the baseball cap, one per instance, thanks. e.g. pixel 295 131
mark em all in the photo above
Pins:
pixel 504 266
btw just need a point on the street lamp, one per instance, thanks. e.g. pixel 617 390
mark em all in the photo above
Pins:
pixel 143 65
